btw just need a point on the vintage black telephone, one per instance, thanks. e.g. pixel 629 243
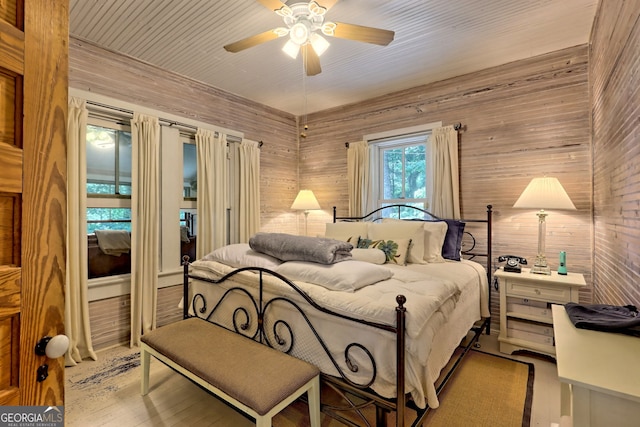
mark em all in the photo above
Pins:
pixel 513 263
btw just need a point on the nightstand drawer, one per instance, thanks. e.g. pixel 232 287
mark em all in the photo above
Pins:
pixel 546 293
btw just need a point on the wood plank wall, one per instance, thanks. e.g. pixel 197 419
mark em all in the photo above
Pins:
pixel 615 98
pixel 521 120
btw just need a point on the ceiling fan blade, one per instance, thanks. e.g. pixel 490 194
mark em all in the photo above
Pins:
pixel 251 41
pixel 311 60
pixel 327 4
pixel 363 34
pixel 272 5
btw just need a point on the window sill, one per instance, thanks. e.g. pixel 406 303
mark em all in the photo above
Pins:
pixel 115 286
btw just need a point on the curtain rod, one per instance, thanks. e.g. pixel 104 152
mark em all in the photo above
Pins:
pixel 166 121
pixel 129 112
pixel 456 126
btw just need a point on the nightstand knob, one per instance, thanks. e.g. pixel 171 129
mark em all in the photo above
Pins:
pixel 537 291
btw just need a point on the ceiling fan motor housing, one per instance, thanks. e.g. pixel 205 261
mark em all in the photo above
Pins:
pixel 303 21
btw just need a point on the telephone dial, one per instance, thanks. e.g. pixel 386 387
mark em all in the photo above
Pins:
pixel 513 263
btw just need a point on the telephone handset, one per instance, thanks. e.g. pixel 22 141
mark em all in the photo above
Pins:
pixel 513 263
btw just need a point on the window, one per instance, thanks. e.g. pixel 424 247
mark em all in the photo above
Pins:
pixel 401 170
pixel 108 176
pixel 108 153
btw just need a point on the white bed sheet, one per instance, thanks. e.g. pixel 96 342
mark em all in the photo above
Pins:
pixel 444 300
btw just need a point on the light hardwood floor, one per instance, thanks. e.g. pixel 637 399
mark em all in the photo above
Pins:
pixel 95 400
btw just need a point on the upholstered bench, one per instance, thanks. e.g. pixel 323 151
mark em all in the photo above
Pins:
pixel 253 377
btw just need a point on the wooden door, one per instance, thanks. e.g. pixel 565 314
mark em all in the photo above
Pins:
pixel 33 115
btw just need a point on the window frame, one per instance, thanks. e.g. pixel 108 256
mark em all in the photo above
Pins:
pixel 399 138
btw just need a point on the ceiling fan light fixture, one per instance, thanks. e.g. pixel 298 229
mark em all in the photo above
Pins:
pixel 319 43
pixel 316 9
pixel 329 29
pixel 291 49
pixel 281 31
pixel 284 11
pixel 299 33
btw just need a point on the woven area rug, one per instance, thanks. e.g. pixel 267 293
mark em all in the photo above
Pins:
pixel 487 390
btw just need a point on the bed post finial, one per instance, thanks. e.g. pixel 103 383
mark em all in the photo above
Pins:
pixel 401 300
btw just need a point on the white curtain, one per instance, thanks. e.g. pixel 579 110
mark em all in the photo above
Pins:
pixel 249 191
pixel 212 191
pixel 145 224
pixel 76 314
pixel 445 200
pixel 359 179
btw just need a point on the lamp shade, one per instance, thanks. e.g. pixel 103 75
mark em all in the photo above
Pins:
pixel 544 193
pixel 305 201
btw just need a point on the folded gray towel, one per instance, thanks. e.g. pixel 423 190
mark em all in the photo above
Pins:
pixel 287 247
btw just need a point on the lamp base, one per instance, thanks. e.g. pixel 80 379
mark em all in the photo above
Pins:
pixel 541 269
pixel 541 266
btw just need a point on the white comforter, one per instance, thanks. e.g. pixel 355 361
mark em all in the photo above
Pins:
pixel 435 294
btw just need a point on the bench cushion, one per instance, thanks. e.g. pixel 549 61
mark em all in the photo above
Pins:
pixel 252 373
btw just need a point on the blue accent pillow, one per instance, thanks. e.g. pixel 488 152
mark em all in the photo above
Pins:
pixel 453 239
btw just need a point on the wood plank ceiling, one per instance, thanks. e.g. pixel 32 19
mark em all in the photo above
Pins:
pixel 434 40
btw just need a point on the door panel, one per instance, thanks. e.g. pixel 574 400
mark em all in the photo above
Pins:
pixel 33 114
pixel 12 61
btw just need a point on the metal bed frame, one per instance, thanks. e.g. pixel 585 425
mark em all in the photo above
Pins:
pixel 251 319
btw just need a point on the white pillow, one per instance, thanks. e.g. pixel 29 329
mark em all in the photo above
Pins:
pixel 346 231
pixel 434 235
pixel 372 255
pixel 346 276
pixel 398 230
pixel 241 255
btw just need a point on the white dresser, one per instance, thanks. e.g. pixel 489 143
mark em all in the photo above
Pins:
pixel 599 374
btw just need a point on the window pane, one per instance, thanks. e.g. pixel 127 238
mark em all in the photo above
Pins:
pixel 405 213
pixel 188 219
pixel 415 172
pixel 189 170
pixel 108 219
pixel 124 162
pixel 392 173
pixel 103 165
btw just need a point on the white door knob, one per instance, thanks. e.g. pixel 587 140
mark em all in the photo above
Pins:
pixel 52 347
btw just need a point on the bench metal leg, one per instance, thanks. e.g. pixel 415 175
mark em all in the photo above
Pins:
pixel 144 364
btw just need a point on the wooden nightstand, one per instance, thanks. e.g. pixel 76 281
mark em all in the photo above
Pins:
pixel 526 322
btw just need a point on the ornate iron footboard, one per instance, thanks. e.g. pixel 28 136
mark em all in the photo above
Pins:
pixel 252 319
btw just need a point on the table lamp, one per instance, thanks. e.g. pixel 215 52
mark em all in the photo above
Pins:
pixel 305 201
pixel 543 193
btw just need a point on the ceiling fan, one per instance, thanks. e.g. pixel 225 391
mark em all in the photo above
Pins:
pixel 303 23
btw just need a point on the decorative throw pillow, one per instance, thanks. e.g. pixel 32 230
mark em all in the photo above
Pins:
pixel 394 229
pixel 453 239
pixel 346 231
pixel 435 232
pixel 395 251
